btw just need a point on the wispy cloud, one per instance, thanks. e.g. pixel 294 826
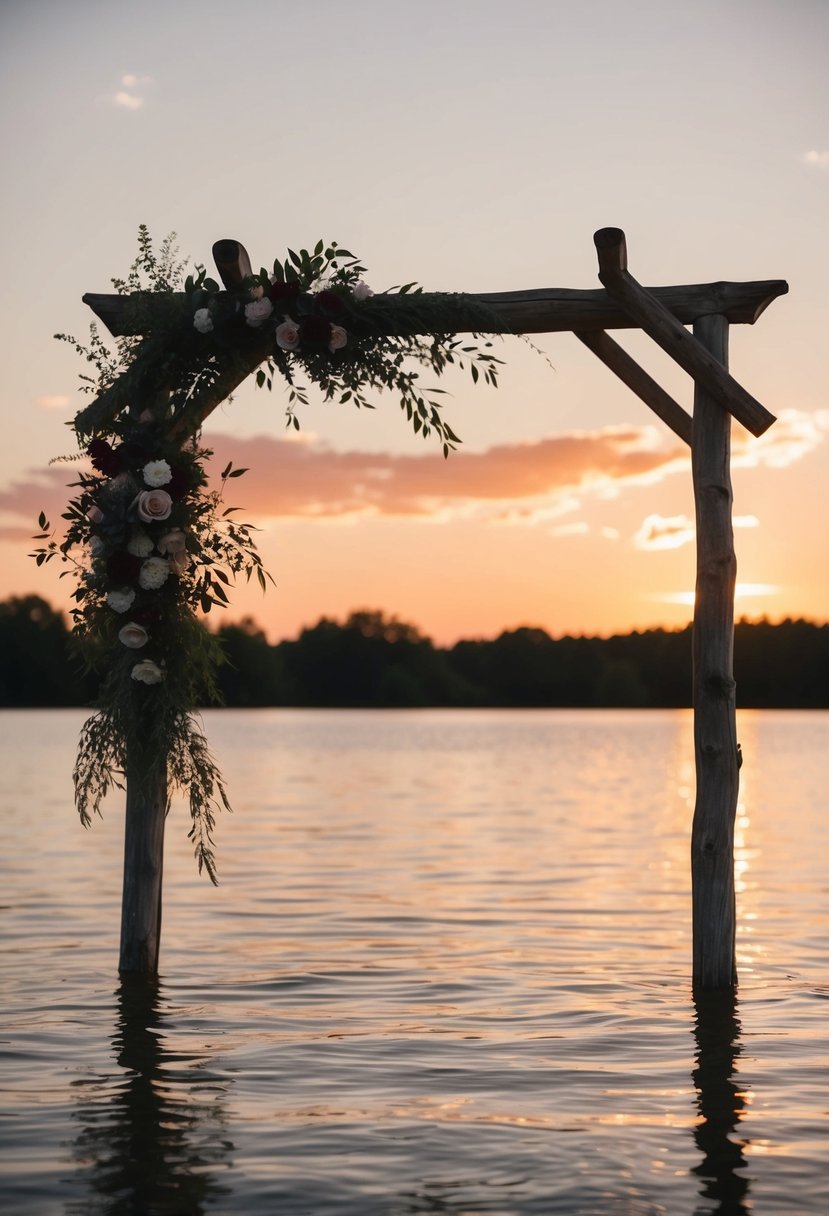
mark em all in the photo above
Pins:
pixel 127 101
pixel 52 401
pixel 128 96
pixel 793 436
pixel 815 159
pixel 673 531
pixel 664 532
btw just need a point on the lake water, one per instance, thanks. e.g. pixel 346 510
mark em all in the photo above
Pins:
pixel 446 971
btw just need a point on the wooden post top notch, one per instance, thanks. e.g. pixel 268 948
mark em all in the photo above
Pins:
pixel 659 323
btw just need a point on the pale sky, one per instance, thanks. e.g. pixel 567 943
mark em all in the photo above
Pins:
pixel 468 146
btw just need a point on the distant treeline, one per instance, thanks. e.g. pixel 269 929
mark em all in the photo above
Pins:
pixel 374 660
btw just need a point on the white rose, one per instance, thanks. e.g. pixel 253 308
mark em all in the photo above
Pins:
pixel 258 311
pixel 153 504
pixel 202 320
pixel 362 291
pixel 133 635
pixel 139 543
pixel 147 672
pixel 174 541
pixel 338 338
pixel 154 573
pixel 157 473
pixel 121 601
pixel 287 335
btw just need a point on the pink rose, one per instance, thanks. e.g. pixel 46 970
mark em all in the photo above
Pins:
pixel 133 635
pixel 287 335
pixel 338 338
pixel 153 504
pixel 258 311
pixel 362 291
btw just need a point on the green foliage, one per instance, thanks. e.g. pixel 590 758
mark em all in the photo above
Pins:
pixel 327 325
pixel 148 545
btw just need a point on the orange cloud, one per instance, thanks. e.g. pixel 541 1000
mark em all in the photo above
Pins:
pixel 527 484
pixel 312 481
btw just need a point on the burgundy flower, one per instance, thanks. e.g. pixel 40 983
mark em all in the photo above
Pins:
pixel 103 458
pixel 283 293
pixel 180 484
pixel 329 303
pixel 146 616
pixel 131 454
pixel 316 331
pixel 123 567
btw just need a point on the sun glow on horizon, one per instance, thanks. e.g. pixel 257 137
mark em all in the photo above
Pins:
pixel 742 591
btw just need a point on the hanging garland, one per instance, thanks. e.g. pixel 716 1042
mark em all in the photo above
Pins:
pixel 149 544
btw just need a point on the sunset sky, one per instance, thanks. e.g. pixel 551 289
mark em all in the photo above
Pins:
pixel 468 146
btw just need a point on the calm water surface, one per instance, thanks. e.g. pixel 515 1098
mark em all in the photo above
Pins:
pixel 446 971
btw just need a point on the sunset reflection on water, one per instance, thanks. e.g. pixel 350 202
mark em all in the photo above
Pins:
pixel 447 969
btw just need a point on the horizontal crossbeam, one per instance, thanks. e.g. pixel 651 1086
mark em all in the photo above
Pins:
pixel 542 310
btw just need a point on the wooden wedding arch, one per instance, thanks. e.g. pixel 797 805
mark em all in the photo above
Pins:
pixel 622 303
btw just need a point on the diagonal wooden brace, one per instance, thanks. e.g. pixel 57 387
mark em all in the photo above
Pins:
pixel 671 335
pixel 631 374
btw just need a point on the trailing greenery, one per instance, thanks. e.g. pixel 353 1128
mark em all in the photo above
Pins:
pixel 148 544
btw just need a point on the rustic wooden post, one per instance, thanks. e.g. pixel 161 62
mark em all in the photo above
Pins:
pixel 715 728
pixel 143 869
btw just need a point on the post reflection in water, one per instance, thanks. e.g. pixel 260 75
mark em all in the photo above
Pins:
pixel 720 1103
pixel 153 1135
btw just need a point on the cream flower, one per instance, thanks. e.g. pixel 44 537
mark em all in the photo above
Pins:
pixel 258 311
pixel 174 541
pixel 133 635
pixel 147 672
pixel 154 573
pixel 202 320
pixel 287 335
pixel 179 562
pixel 153 504
pixel 338 338
pixel 157 473
pixel 362 291
pixel 121 601
pixel 139 543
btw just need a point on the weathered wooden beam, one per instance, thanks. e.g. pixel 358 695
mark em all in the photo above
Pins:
pixel 631 374
pixel 667 330
pixel 541 310
pixel 232 262
pixel 715 728
pixel 143 871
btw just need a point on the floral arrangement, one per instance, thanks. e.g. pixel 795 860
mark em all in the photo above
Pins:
pixel 319 317
pixel 149 544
